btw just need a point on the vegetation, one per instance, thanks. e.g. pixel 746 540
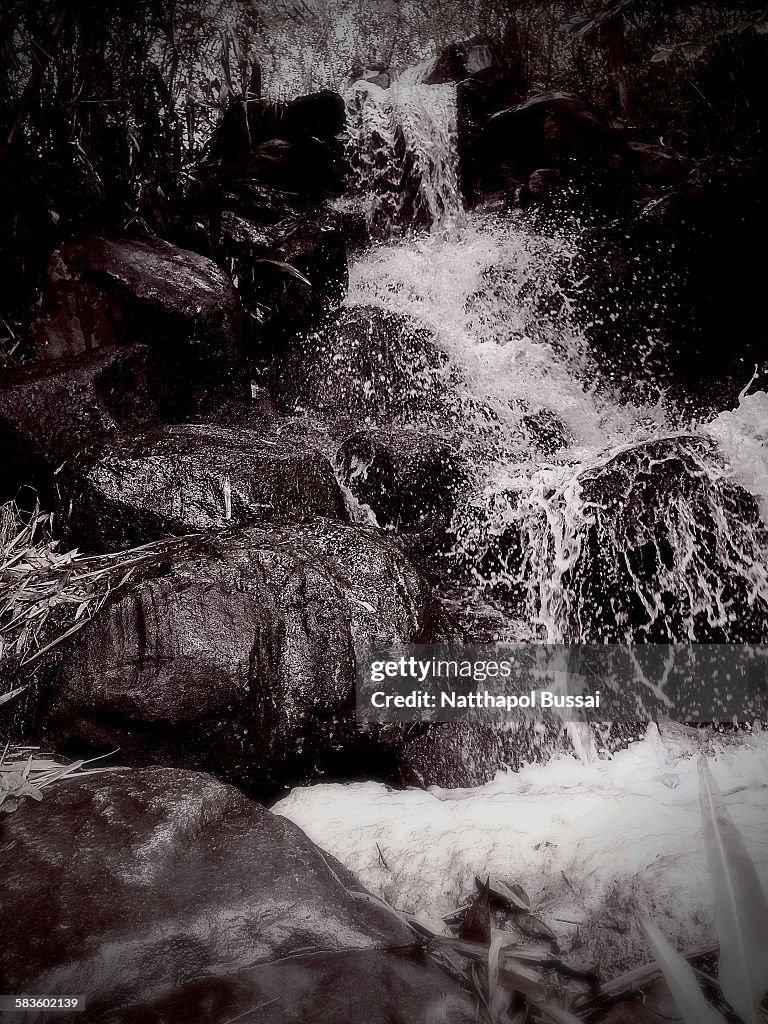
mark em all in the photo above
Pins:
pixel 47 595
pixel 25 772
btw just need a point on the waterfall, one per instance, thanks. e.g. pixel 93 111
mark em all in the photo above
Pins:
pixel 591 519
pixel 402 146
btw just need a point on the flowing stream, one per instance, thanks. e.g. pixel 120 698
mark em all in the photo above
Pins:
pixel 588 519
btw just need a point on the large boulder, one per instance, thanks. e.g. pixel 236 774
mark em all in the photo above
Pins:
pixel 654 543
pixel 240 658
pixel 410 479
pixel 459 755
pixel 51 410
pixel 368 366
pixel 292 147
pixel 467 58
pixel 164 895
pixel 105 293
pixel 671 551
pixel 193 477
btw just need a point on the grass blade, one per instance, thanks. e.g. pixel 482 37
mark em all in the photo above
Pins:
pixel 680 979
pixel 741 909
pixel 285 268
pixel 559 1015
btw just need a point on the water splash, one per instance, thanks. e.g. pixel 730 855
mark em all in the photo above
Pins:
pixel 402 146
pixel 742 435
pixel 595 519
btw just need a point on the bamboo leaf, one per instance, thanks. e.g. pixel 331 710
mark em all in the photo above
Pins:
pixel 285 268
pixel 680 979
pixel 498 995
pixel 11 693
pixel 559 1015
pixel 741 909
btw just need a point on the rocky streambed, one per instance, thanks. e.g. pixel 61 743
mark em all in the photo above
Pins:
pixel 317 452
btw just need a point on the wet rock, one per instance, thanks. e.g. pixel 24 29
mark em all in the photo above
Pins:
pixel 462 755
pixel 655 164
pixel 549 130
pixel 408 478
pixel 366 365
pixel 191 478
pixel 310 241
pixel 491 77
pixel 321 114
pixel 545 430
pixel 164 895
pixel 103 293
pixel 239 657
pixel 51 410
pixel 542 187
pixel 671 552
pixel 458 756
pixel 662 548
pixel 373 74
pixel 468 58
pixel 289 146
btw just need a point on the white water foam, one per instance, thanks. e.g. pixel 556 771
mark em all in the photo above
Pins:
pixel 589 841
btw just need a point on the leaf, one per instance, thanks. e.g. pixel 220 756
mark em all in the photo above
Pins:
pixel 662 54
pixel 522 979
pixel 680 979
pixel 559 1015
pixel 741 909
pixel 512 895
pixel 11 693
pixel 498 995
pixel 476 926
pixel 286 268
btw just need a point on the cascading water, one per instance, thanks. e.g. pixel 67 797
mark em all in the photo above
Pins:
pixel 402 144
pixel 590 519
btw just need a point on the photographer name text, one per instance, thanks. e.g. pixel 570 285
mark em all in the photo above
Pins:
pixel 423 699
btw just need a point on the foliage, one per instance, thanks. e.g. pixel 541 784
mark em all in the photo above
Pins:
pixel 741 920
pixel 25 772
pixel 47 595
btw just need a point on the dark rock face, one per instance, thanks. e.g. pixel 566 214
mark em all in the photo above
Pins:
pixel 321 114
pixel 186 901
pixel 104 293
pixel 549 130
pixel 365 364
pixel 312 241
pixel 292 147
pixel 408 478
pixel 51 410
pixel 670 553
pixel 195 477
pixel 240 658
pixel 475 57
pixel 373 73
pixel 458 756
